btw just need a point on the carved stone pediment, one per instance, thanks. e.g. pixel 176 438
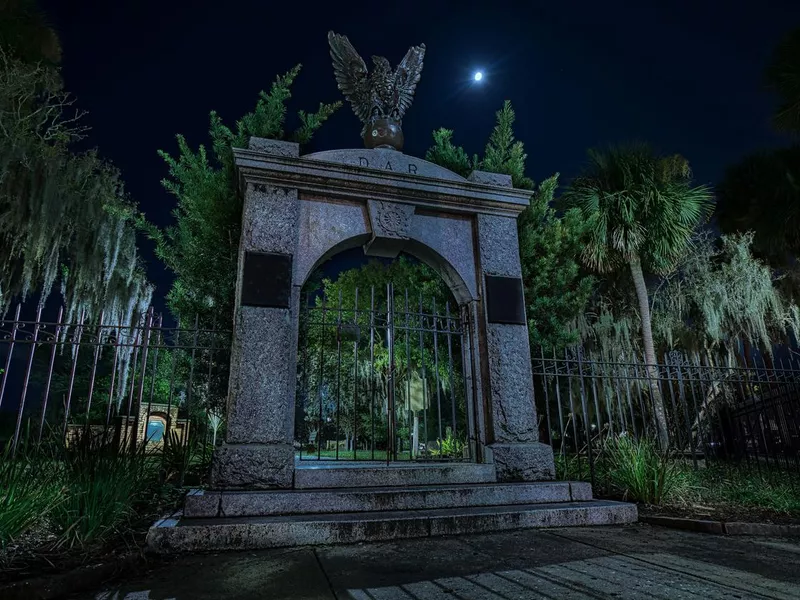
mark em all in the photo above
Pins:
pixel 390 223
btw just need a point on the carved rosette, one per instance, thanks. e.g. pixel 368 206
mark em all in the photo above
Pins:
pixel 390 223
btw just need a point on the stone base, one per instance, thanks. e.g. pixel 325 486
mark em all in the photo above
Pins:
pixel 185 535
pixel 253 466
pixel 523 462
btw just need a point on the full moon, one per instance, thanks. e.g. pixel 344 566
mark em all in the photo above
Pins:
pixel 478 76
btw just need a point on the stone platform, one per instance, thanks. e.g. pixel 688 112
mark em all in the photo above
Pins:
pixel 357 503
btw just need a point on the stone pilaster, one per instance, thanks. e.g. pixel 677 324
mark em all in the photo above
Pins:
pixel 258 450
pixel 512 429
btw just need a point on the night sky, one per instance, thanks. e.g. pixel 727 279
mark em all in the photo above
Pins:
pixel 685 75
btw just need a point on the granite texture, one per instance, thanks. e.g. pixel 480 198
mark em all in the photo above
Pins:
pixel 260 405
pixel 270 219
pixel 390 223
pixel 293 502
pixel 523 462
pixel 173 535
pixel 253 466
pixel 201 503
pixel 513 412
pixel 386 160
pixel 499 246
pixel 397 474
pixel 580 491
pixel 498 179
pixel 446 243
pixel 326 228
pixel 275 147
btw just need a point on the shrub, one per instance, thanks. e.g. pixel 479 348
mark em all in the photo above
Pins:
pixel 102 487
pixel 30 488
pixel 640 472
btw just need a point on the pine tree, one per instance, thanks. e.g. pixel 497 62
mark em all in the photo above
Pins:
pixel 201 248
pixel 445 154
pixel 556 289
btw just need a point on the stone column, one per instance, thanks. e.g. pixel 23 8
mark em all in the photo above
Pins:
pixel 512 428
pixel 258 450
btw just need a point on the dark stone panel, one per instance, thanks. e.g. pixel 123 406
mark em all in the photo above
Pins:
pixel 504 300
pixel 267 280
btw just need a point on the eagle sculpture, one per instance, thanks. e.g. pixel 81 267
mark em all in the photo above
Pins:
pixel 381 95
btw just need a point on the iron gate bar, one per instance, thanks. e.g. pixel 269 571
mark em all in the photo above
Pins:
pixel 452 379
pixel 390 441
pixel 436 371
pixel 320 379
pixel 56 337
pixel 14 328
pixel 372 367
pixel 338 374
pixel 27 377
pixel 412 450
pixel 426 399
pixel 75 350
pixel 113 380
pixel 95 357
pixel 355 379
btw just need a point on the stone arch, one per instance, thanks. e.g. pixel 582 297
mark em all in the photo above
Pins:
pixel 300 210
pixel 419 250
pixel 443 242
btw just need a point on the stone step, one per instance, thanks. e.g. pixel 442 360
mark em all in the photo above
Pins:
pixel 324 474
pixel 206 504
pixel 244 533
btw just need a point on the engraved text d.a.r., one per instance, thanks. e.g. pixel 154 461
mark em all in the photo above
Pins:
pixel 364 162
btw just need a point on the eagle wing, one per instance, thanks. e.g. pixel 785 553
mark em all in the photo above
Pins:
pixel 351 74
pixel 406 77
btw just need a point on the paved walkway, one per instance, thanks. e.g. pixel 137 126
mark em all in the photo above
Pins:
pixel 636 561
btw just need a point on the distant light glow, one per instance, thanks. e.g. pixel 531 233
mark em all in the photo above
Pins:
pixel 478 76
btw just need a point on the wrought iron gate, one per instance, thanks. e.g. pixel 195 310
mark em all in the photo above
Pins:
pixel 383 376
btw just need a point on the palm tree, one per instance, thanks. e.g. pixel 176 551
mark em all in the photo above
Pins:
pixel 783 76
pixel 642 210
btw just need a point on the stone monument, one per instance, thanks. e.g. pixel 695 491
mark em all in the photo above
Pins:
pixel 298 212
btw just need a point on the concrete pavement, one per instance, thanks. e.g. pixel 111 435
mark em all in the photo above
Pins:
pixel 636 561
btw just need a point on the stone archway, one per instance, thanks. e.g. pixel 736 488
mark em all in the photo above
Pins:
pixel 300 210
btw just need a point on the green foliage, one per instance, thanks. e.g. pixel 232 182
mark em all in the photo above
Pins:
pixel 639 472
pixel 445 154
pixel 762 194
pixel 101 489
pixel 742 487
pixel 556 290
pixel 62 214
pixel 450 446
pixel 416 286
pixel 504 154
pixel 642 206
pixel 783 76
pixel 721 293
pixel 201 249
pixel 29 489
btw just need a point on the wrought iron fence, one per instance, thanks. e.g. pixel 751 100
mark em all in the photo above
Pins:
pixel 724 407
pixel 382 376
pixel 145 386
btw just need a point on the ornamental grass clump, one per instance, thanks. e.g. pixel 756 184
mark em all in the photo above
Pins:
pixel 638 471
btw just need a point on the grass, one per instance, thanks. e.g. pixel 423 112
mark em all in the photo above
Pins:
pixel 636 471
pixel 30 487
pixel 101 489
pixel 743 487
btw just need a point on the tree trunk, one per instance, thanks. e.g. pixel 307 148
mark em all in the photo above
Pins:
pixel 650 353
